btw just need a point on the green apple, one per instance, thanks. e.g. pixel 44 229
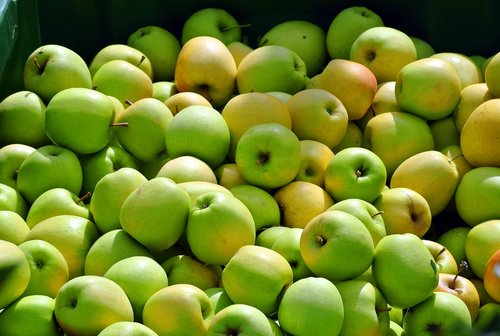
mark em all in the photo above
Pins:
pixel 481 243
pixel 445 132
pixel 268 236
pixel 365 309
pixel 439 314
pixel 247 279
pixel 198 131
pixel 51 68
pixel 443 258
pixel 140 277
pixel 11 157
pixel 492 68
pixel 23 120
pixel 384 100
pixel 268 155
pixel 71 235
pixel 424 48
pixel 455 154
pixel 145 123
pixel 49 167
pixel 305 38
pixel 49 269
pixel 429 88
pixel 181 100
pixel 271 68
pixel 487 318
pixel 127 328
pixel 336 245
pixel 395 329
pixel 404 270
pixel 239 50
pixel 467 70
pixel 12 200
pixel 311 306
pixel 110 248
pixel 462 288
pixel 240 318
pixel 151 168
pixel 470 98
pixel 355 172
pixel 146 210
pixel 123 52
pixel 345 28
pixel 229 176
pixel 180 309
pixel 315 158
pixel 160 46
pixel 198 188
pixel 162 90
pixel 454 241
pixel 187 168
pixel 56 201
pixel 186 269
pixel 15 271
pixel 206 66
pixel 214 22
pixel 87 304
pixel 261 204
pixel 353 137
pixel 219 298
pixel 14 228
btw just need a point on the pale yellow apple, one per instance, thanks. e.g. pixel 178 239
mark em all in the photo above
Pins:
pixel 239 50
pixel 315 158
pixel 353 137
pixel 228 175
pixel 454 153
pixel 385 98
pixel 462 288
pixel 470 98
pixel 181 100
pixel 187 168
pixel 467 70
pixel 492 75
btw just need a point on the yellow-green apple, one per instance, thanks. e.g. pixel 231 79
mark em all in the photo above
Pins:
pixel 87 304
pixel 385 98
pixel 467 70
pixel 283 96
pixel 51 68
pixel 11 199
pixel 268 155
pixel 265 109
pixel 239 50
pixel 367 213
pixel 71 235
pixel 476 195
pixel 271 68
pixel 311 306
pixel 487 318
pixel 246 278
pixel 430 173
pixel 140 277
pixel 491 71
pixel 30 315
pixel 404 270
pixel 461 287
pixel 197 188
pixel 268 236
pixel 351 82
pixel 11 157
pixel 353 137
pixel 305 38
pixel 365 309
pixel 56 201
pixel 228 175
pixel 454 241
pixel 15 270
pixel 454 153
pixel 444 132
pixel 150 168
pixel 109 248
pixel 198 131
pixel 470 98
pixel 123 52
pixel 181 100
pixel 336 245
pixel 240 319
pixel 23 119
pixel 478 60
pixel 484 297
pixel 219 224
pixel 439 314
pixel 261 204
pixel 162 90
pixel 404 210
pixel 315 158
pixel 186 269
pixel 368 115
pixel 395 329
pixel 318 115
pixel 384 50
pixel 479 136
pixel 219 298
pixel 180 309
pixel 482 241
pixel 122 80
pixel 127 328
pixel 48 267
pixel 187 168
pixel 345 28
pixel 491 277
pixel 423 47
pixel 14 228
pixel 206 66
pixel 443 258
pixel 49 167
pixel 429 88
pixel 297 210
pixel 160 46
pixel 396 136
pixel 355 172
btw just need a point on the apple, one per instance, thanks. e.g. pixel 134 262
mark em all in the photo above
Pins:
pixel 127 328
pixel 487 318
pixel 305 38
pixel 13 229
pixel 186 269
pixel 315 158
pixel 424 48
pixel 345 28
pixel 180 309
pixel 160 46
pixel 206 66
pixel 445 132
pixel 162 90
pixel 384 50
pixel 353 137
pixel 16 273
pixel 11 157
pixel 51 68
pixel 481 243
pixel 491 75
pixel 181 100
pixel 355 172
pixel 385 99
pixel 239 50
pixel 268 155
pixel 23 120
pixel 395 329
pixel 219 298
pixel 12 200
pixel 187 168
pixel 246 278
pixel 404 270
pixel 443 258
pixel 470 98
pixel 268 236
pixel 479 135
pixel 491 277
pixel 48 267
pixel 198 188
pixel 467 70
pixel 463 288
pixel 198 131
pixel 271 68
pixel 228 175
pixel 247 320
pixel 454 153
pixel 87 304
pixel 429 88
pixel 454 241
pixel 311 306
pixel 151 168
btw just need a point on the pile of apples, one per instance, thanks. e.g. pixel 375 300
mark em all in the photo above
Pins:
pixel 319 182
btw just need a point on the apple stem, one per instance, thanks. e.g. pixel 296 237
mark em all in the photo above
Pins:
pixel 456 157
pixel 320 240
pixel 440 252
pixel 141 60
pixel 377 213
pixel 238 26
pixel 463 266
pixel 382 309
pixel 84 197
pixel 120 124
pixel 359 173
pixel 128 102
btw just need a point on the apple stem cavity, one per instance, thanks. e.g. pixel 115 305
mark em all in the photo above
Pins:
pixel 224 29
pixel 39 67
pixel 370 55
pixel 262 158
pixel 440 252
pixel 320 240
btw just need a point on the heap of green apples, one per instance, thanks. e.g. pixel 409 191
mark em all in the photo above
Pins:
pixel 320 181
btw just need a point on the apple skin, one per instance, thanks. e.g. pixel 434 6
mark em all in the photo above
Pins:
pixel 491 277
pixel 467 70
pixel 219 298
pixel 180 100
pixel 443 258
pixel 445 133
pixel 15 271
pixel 162 90
pixel 463 288
pixel 183 268
pixel 14 229
pixel 491 75
pixel 187 168
pixel 11 157
pixel 247 319
pixel 423 48
pixel 268 236
pixel 127 328
pixel 487 318
pixel 454 241
pixel 470 98
pixel 12 200
pixel 315 158
pixel 239 50
pixel 52 68
pixel 385 99
pixel 198 188
pixel 353 137
pixel 481 243
pixel 229 176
